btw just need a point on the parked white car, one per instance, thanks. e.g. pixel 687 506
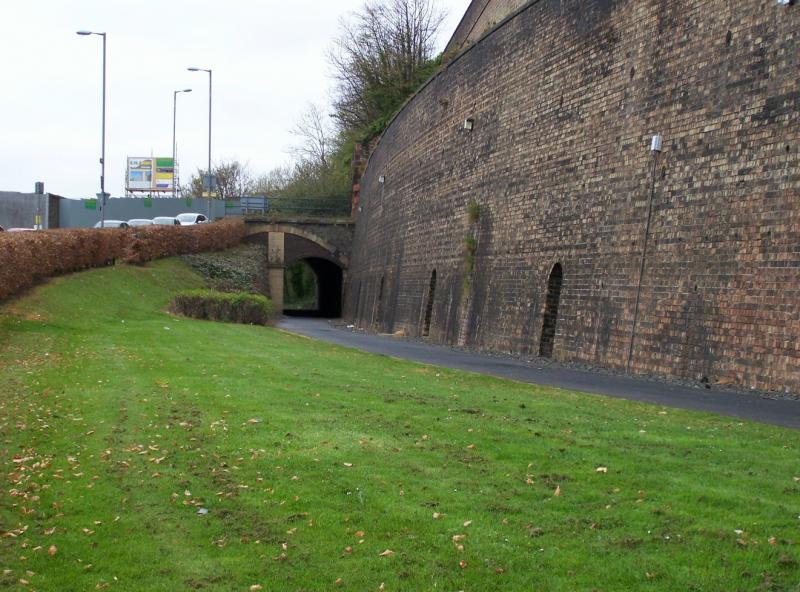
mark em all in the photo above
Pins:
pixel 165 221
pixel 191 219
pixel 113 224
pixel 140 222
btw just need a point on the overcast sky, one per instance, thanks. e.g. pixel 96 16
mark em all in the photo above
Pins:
pixel 268 61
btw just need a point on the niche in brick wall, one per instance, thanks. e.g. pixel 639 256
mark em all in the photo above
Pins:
pixel 426 326
pixel 551 311
pixel 379 303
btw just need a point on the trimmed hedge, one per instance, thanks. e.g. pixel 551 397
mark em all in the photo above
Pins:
pixel 28 257
pixel 241 307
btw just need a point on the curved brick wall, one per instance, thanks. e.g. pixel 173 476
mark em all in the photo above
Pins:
pixel 481 16
pixel 565 97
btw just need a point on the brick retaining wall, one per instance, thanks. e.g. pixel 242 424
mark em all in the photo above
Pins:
pixel 564 98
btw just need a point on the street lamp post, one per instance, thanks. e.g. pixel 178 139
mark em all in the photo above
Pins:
pixel 194 69
pixel 174 118
pixel 103 196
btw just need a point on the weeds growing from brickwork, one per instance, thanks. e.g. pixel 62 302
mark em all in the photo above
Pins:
pixel 470 242
pixel 140 451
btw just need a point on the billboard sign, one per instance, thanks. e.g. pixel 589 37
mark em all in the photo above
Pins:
pixel 165 174
pixel 150 174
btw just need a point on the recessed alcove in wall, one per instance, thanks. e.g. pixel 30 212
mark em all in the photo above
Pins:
pixel 551 311
pixel 426 326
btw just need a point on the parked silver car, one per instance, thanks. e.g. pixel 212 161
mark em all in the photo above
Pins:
pixel 139 222
pixel 112 224
pixel 165 221
pixel 191 219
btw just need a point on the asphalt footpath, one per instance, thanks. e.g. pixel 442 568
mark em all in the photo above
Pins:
pixel 742 405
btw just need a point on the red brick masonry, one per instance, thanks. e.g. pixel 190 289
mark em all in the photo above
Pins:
pixel 564 99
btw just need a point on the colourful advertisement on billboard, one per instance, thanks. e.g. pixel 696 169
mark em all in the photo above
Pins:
pixel 165 174
pixel 150 174
pixel 140 174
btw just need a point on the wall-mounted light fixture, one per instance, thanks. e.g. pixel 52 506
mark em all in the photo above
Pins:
pixel 469 123
pixel 656 143
pixel 382 179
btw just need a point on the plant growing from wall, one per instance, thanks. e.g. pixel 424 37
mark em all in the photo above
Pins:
pixel 470 242
pixel 473 211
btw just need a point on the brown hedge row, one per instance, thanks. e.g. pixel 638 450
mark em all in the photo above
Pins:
pixel 28 257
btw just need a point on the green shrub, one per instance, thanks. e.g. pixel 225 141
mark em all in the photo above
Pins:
pixel 241 307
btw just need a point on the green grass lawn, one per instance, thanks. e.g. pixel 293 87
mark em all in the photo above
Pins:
pixel 323 468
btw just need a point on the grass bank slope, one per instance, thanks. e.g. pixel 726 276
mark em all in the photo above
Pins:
pixel 139 451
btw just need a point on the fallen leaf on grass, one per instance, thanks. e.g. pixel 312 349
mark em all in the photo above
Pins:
pixel 360 534
pixel 437 516
pixel 256 587
pixel 387 553
pixel 348 465
pixel 462 564
pixel 52 550
pixel 557 492
pixel 467 523
pixel 602 469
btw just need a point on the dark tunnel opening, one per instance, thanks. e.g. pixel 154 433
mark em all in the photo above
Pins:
pixel 328 287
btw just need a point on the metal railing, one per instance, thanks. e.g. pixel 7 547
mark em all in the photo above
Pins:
pixel 304 207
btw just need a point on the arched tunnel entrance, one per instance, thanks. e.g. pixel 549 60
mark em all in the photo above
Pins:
pixel 305 272
pixel 316 296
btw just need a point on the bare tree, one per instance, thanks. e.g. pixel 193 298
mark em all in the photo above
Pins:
pixel 233 180
pixel 315 136
pixel 275 182
pixel 378 57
